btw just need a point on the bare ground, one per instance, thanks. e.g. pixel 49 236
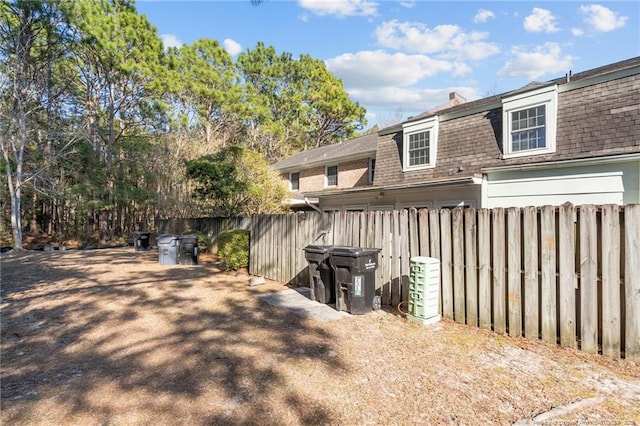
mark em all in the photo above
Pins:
pixel 112 337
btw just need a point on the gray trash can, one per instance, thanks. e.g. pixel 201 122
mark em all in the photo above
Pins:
pixel 320 274
pixel 355 280
pixel 168 247
pixel 189 250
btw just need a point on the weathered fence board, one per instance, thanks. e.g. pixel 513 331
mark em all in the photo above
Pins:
pixel 567 277
pixel 457 216
pixel 403 260
pixel 611 319
pixel 548 276
pixel 386 251
pixel 499 272
pixel 588 280
pixel 531 287
pixel 446 264
pixel 471 269
pixel 423 225
pixel 395 263
pixel 632 281
pixel 484 269
pixel 514 263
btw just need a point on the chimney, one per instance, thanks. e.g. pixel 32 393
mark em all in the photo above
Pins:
pixel 456 99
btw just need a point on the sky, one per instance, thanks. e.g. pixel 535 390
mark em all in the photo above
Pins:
pixel 398 58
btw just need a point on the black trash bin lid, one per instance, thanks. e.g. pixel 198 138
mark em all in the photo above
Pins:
pixel 317 249
pixel 353 251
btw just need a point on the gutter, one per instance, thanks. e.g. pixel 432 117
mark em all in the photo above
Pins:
pixel 564 163
pixel 433 184
pixel 325 160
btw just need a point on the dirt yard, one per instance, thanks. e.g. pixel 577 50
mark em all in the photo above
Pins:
pixel 110 337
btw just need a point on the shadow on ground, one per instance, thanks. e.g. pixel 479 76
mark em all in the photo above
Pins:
pixel 93 335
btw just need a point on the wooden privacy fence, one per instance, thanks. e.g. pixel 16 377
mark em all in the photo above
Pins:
pixel 568 275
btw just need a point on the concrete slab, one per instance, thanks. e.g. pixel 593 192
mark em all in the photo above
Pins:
pixel 298 301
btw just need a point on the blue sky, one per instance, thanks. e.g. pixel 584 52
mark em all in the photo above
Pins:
pixel 400 58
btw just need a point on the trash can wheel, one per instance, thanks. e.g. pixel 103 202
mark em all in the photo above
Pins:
pixel 377 303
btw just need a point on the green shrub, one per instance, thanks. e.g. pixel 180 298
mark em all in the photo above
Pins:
pixel 204 242
pixel 233 248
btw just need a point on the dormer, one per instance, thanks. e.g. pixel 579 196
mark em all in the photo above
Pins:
pixel 529 122
pixel 420 143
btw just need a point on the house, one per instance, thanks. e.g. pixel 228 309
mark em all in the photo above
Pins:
pixel 572 139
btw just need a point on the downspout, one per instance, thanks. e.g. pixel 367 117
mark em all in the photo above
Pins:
pixel 323 233
pixel 308 203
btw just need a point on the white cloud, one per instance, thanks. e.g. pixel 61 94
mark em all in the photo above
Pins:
pixel 602 19
pixel 170 40
pixel 577 32
pixel 341 8
pixel 540 20
pixel 483 16
pixel 545 59
pixel 447 40
pixel 408 4
pixel 379 68
pixel 411 100
pixel 232 46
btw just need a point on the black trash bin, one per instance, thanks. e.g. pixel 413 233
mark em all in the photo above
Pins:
pixel 355 280
pixel 189 250
pixel 141 240
pixel 168 245
pixel 320 274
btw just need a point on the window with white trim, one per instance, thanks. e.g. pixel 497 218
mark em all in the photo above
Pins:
pixel 331 176
pixel 294 181
pixel 420 144
pixel 529 123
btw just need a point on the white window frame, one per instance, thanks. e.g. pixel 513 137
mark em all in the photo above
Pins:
pixel 429 125
pixel 291 182
pixel 547 97
pixel 326 176
pixel 371 169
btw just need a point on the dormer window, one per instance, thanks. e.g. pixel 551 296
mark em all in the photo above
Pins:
pixel 529 123
pixel 528 130
pixel 420 144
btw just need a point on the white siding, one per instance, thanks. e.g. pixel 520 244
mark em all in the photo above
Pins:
pixel 594 184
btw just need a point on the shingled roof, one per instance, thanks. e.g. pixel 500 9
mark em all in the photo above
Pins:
pixel 569 78
pixel 355 148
